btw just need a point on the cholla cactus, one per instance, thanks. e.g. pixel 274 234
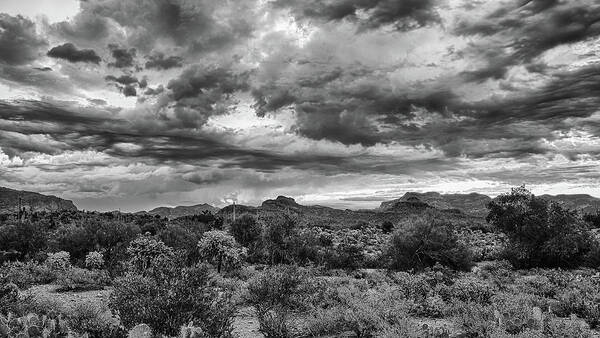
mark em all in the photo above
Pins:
pixel 94 260
pixel 59 260
pixel 221 249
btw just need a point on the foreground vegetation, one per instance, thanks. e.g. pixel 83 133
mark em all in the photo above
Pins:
pixel 532 271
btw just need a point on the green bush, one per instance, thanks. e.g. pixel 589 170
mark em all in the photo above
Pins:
pixel 425 241
pixel 541 232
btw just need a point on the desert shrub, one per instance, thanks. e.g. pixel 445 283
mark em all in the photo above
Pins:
pixel 59 261
pixel 9 297
pixel 78 279
pixel 467 290
pixel 246 230
pixel 387 227
pixel 365 312
pixel 557 328
pixel 582 299
pixel 425 241
pixel 279 238
pixel 344 256
pixel 167 304
pixel 25 239
pixel 183 238
pixel 221 249
pixel 275 292
pixel 93 320
pixel 26 274
pixel 168 296
pixel 76 239
pixel 147 255
pixel 94 260
pixel 593 219
pixel 541 233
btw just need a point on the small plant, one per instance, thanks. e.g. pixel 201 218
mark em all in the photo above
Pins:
pixel 94 260
pixel 60 261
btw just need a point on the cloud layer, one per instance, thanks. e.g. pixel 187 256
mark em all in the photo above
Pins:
pixel 136 104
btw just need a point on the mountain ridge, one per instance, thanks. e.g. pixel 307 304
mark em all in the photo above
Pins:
pixel 182 210
pixel 31 201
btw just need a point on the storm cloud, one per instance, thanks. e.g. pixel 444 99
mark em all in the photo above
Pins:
pixel 69 52
pixel 304 98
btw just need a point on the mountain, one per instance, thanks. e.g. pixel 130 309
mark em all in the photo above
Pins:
pixel 471 204
pixel 582 202
pixel 9 201
pixel 182 210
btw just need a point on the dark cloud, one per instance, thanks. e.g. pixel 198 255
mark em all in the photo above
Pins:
pixel 517 35
pixel 123 79
pixel 154 91
pixel 43 69
pixel 74 128
pixel 160 62
pixel 199 26
pixel 403 14
pixel 124 58
pixel 19 42
pixel 69 52
pixel 129 90
pixel 202 91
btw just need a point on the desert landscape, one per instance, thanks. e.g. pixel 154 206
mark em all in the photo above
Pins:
pixel 299 168
pixel 422 265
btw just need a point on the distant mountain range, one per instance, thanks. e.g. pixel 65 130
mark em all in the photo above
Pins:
pixel 180 211
pixel 31 201
pixel 471 205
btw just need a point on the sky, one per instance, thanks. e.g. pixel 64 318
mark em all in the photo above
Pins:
pixel 136 104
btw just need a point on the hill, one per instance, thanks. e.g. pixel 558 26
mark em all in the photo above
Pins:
pixel 471 204
pixel 582 202
pixel 179 211
pixel 31 201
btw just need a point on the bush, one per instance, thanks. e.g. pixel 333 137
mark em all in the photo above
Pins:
pixel 146 255
pixel 246 230
pixel 95 321
pixel 94 260
pixel 387 227
pixel 279 238
pixel 274 293
pixel 59 261
pixel 345 256
pixel 78 279
pixel 424 242
pixel 221 249
pixel 541 233
pixel 27 274
pixel 168 296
